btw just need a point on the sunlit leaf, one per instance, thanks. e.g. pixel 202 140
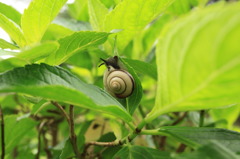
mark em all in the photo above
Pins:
pixel 76 43
pixel 132 16
pixel 28 56
pixel 198 60
pixel 13 30
pixel 6 45
pixel 37 17
pixel 10 13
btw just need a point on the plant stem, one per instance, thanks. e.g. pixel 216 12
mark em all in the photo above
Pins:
pixel 201 119
pixel 2 133
pixel 72 133
pixel 62 110
pixel 39 138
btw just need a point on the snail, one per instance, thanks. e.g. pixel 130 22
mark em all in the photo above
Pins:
pixel 117 81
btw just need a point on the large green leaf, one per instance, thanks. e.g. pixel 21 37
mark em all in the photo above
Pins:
pixel 37 17
pixel 133 152
pixel 76 43
pixel 198 60
pixel 133 100
pixel 197 136
pixel 97 13
pixel 55 83
pixel 28 56
pixel 11 13
pixel 13 30
pixel 15 129
pixel 132 16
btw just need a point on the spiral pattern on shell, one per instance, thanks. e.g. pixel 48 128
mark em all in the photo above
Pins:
pixel 119 83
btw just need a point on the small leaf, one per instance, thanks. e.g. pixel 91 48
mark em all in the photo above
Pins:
pixel 198 61
pixel 76 43
pixel 55 83
pixel 134 100
pixel 6 45
pixel 13 30
pixel 196 136
pixel 132 16
pixel 97 13
pixel 28 56
pixel 37 17
pixel 10 13
pixel 132 152
pixel 143 67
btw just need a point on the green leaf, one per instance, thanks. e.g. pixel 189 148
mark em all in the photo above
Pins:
pixel 143 67
pixel 199 62
pixel 134 100
pixel 15 130
pixel 132 16
pixel 55 83
pixel 29 56
pixel 97 13
pixel 37 17
pixel 79 10
pixel 197 136
pixel 212 150
pixel 76 43
pixel 10 13
pixel 13 30
pixel 132 152
pixel 6 45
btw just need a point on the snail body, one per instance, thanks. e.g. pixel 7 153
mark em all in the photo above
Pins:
pixel 117 81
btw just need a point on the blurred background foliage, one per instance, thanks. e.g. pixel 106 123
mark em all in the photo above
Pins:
pixel 136 44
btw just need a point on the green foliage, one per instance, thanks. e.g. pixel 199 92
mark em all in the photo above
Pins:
pixel 55 83
pixel 130 152
pixel 74 43
pixel 204 73
pixel 37 17
pixel 184 56
pixel 132 18
pixel 10 13
pixel 13 30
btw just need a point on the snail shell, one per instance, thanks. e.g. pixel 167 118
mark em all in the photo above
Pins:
pixel 118 82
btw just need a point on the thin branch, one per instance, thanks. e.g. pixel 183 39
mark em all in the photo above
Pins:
pixel 72 133
pixel 2 132
pixel 106 144
pixel 62 110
